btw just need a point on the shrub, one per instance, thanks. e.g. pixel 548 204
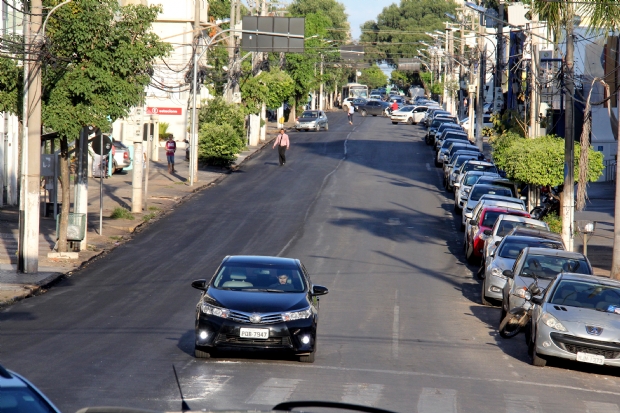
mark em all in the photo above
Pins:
pixel 554 222
pixel 121 213
pixel 218 145
pixel 219 112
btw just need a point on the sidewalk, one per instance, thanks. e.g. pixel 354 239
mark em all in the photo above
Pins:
pixel 599 208
pixel 164 192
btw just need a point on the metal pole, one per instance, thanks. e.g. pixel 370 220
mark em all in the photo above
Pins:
pixel 23 161
pixel 585 244
pixel 136 198
pixel 192 145
pixel 321 105
pixel 149 142
pixel 101 169
pixel 568 195
pixel 481 83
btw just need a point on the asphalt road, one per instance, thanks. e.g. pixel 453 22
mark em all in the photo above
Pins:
pixel 402 328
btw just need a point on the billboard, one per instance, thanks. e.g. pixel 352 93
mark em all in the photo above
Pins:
pixel 273 34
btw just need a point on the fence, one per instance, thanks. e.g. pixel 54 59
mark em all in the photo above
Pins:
pixel 610 169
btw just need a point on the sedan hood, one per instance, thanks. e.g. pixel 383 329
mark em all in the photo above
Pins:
pixel 308 119
pixel 576 319
pixel 503 263
pixel 257 301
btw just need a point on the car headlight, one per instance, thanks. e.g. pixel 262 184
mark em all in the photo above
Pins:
pixel 297 315
pixel 552 322
pixel 497 272
pixel 213 310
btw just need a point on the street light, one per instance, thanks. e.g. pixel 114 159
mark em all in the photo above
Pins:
pixel 586 228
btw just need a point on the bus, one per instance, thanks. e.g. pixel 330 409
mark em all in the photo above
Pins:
pixel 354 90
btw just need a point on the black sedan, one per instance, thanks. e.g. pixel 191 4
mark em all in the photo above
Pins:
pixel 256 302
pixel 374 108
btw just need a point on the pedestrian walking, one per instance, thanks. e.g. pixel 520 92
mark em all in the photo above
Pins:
pixel 350 114
pixel 282 142
pixel 171 147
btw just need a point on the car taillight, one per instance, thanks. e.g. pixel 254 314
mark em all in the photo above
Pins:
pixel 125 155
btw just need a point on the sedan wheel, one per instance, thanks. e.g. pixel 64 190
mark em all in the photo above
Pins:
pixel 537 360
pixel 410 121
pixel 483 298
pixel 394 123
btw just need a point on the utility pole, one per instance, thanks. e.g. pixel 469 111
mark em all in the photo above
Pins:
pixel 28 245
pixel 193 156
pixel 615 258
pixel 481 83
pixel 321 105
pixel 462 70
pixel 231 85
pixel 499 62
pixel 136 182
pixel 534 73
pixel 568 195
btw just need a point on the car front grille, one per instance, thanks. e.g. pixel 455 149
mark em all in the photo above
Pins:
pixel 572 344
pixel 265 318
pixel 241 341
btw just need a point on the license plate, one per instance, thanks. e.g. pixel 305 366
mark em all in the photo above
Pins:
pixel 591 358
pixel 254 332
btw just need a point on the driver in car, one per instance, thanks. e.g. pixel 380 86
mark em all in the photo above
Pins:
pixel 283 283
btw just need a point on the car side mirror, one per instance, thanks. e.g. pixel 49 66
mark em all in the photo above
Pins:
pixel 537 300
pixel 497 243
pixel 319 290
pixel 487 232
pixel 468 215
pixel 472 222
pixel 508 273
pixel 200 285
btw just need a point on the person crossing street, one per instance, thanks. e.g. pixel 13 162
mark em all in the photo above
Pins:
pixel 171 147
pixel 282 142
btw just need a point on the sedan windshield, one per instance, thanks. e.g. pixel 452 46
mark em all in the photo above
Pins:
pixel 490 217
pixel 586 295
pixel 310 114
pixel 511 249
pixel 256 277
pixel 548 266
pixel 506 226
pixel 471 179
pixel 22 399
pixel 406 109
pixel 477 192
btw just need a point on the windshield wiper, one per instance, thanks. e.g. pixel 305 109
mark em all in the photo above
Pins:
pixel 270 290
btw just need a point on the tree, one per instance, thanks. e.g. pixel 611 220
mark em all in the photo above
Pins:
pixel 272 88
pixel 331 11
pixel 539 161
pixel 373 77
pixel 398 29
pixel 100 59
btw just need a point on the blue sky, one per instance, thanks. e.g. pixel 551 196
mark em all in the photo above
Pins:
pixel 360 11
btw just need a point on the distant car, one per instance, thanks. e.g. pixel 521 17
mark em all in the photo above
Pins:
pixel 403 114
pixel 258 303
pixel 312 120
pixel 486 122
pixel 358 102
pixel 374 108
pixel 375 97
pixel 576 320
pixel 122 157
pixel 19 395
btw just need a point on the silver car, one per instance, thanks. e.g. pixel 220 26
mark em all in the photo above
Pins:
pixel 462 186
pixel 312 120
pixel 505 224
pixel 504 258
pixel 577 319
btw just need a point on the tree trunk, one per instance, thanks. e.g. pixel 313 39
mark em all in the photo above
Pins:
pixel 65 199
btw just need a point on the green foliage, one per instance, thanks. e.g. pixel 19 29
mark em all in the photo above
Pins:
pixel 331 11
pixel 272 88
pixel 511 121
pixel 373 77
pixel 398 29
pixel 218 144
pixel 219 112
pixel 11 79
pixel 121 213
pixel 110 50
pixel 554 222
pixel 539 161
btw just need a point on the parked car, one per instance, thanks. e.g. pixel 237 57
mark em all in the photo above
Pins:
pixel 432 129
pixel 462 185
pixel 449 146
pixel 122 156
pixel 258 302
pixel 480 166
pixel 484 220
pixel 496 281
pixel 486 122
pixel 476 193
pixel 374 108
pixel 19 395
pixel 503 226
pixel 457 159
pixel 432 133
pixel 576 320
pixel 312 120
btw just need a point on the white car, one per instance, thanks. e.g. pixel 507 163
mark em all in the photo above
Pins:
pixel 403 114
pixel 486 121
pixel 463 185
pixel 476 193
pixel 505 224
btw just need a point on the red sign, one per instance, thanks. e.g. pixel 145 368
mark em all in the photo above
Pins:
pixel 163 111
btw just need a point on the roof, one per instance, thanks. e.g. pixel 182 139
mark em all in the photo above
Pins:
pixel 589 278
pixel 516 218
pixel 506 210
pixel 485 163
pixel 540 233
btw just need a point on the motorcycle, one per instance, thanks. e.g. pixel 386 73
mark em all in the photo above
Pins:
pixel 550 204
pixel 517 318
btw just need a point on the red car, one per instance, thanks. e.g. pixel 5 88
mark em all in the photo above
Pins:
pixel 474 238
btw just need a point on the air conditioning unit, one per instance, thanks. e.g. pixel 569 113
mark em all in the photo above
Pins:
pixel 545 54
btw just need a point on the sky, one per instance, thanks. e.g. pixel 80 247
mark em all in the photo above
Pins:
pixel 360 11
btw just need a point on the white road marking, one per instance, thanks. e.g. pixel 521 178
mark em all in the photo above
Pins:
pixel 273 391
pixel 403 373
pixel 517 403
pixel 202 387
pixel 395 327
pixel 362 393
pixel 437 401
pixel 597 407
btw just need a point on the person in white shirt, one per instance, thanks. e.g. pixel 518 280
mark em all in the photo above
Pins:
pixel 351 111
